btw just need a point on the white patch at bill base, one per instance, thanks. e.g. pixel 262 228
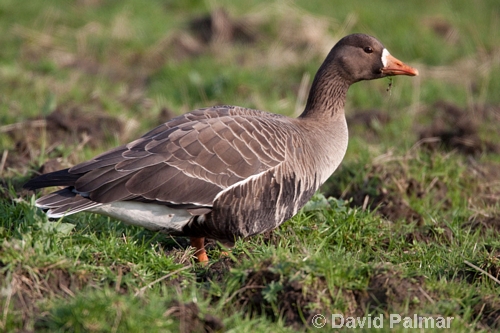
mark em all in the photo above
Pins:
pixel 385 53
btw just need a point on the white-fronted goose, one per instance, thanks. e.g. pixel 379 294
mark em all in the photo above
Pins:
pixel 225 172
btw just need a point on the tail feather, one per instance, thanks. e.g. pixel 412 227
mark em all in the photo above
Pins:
pixel 56 199
pixel 64 202
pixel 57 178
pixel 73 208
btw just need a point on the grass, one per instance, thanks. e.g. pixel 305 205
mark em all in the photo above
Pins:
pixel 408 225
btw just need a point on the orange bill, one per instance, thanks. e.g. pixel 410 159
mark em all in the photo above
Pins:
pixel 394 66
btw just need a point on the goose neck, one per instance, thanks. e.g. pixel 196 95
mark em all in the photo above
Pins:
pixel 327 96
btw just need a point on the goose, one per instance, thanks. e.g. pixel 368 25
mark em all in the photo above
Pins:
pixel 225 172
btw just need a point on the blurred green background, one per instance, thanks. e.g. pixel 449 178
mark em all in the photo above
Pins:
pixel 79 77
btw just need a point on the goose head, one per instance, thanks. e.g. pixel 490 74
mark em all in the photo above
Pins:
pixel 359 57
pixel 354 58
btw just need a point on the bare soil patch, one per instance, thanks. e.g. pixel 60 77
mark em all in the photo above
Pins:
pixel 66 126
pixel 217 271
pixel 298 302
pixel 207 32
pixel 487 310
pixel 27 287
pixel 72 124
pixel 490 264
pixel 388 290
pixel 484 223
pixel 295 301
pixel 443 28
pixel 428 234
pixel 191 320
pixel 367 123
pixel 218 26
pixel 456 128
pixel 485 179
pixel 387 189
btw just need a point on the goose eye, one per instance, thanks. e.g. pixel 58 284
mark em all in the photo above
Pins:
pixel 368 49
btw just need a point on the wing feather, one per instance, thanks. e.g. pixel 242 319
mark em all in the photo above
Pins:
pixel 110 157
pixel 151 178
pixel 188 160
pixel 94 179
pixel 139 163
pixel 110 192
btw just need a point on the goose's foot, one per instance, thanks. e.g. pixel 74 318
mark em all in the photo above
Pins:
pixel 226 249
pixel 199 244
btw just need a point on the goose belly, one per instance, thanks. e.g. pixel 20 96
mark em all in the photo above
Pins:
pixel 150 216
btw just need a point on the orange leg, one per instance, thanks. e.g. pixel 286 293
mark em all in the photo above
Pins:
pixel 199 244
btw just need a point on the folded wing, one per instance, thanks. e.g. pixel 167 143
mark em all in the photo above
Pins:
pixel 186 161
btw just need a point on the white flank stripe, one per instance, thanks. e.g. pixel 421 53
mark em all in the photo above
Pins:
pixel 241 182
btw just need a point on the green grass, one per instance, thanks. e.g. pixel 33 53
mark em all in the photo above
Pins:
pixel 413 226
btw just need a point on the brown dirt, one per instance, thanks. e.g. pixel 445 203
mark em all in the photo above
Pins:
pixel 66 126
pixel 367 123
pixel 22 162
pixel 490 264
pixel 19 158
pixel 218 26
pixel 29 287
pixel 443 28
pixel 368 118
pixel 165 115
pixel 75 124
pixel 294 301
pixel 191 320
pixel 388 290
pixel 217 271
pixel 386 190
pixel 214 28
pixel 484 223
pixel 485 179
pixel 17 184
pixel 51 166
pixel 428 234
pixel 487 310
pixel 393 208
pixel 455 128
pixel 271 238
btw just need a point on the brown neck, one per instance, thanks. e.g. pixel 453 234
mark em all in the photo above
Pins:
pixel 327 95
